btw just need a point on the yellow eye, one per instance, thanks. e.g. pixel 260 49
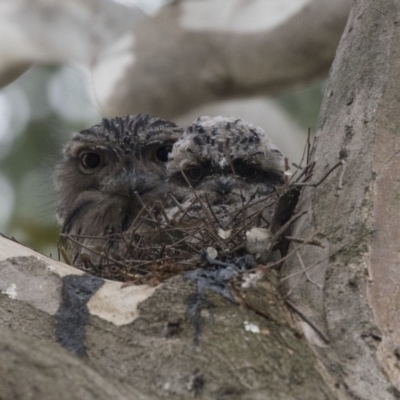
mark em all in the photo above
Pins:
pixel 90 160
pixel 194 174
pixel 163 152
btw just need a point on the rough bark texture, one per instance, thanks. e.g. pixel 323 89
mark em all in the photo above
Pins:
pixel 180 344
pixel 31 368
pixel 359 122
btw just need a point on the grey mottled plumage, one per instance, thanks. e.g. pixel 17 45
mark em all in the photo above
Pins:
pixel 103 167
pixel 230 164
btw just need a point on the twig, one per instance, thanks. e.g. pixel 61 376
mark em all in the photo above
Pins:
pixel 278 262
pixel 289 292
pixel 304 151
pixel 328 256
pixel 308 169
pixel 297 166
pixel 313 242
pixel 340 183
pixel 101 254
pixel 322 179
pixel 287 168
pixel 184 210
pixel 308 145
pixel 309 322
pixel 304 269
pixel 199 200
pixel 65 255
pixel 284 227
pixel 212 212
pixel 228 156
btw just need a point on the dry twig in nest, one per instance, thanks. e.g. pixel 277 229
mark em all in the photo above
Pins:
pixel 161 243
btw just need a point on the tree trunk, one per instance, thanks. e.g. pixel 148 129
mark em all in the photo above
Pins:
pixel 177 341
pixel 357 307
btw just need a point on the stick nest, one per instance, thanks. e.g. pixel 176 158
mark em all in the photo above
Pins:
pixel 158 246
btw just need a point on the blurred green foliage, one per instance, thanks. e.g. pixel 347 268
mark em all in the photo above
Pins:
pixel 303 104
pixel 31 152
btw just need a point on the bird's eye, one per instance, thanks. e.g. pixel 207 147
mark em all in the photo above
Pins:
pixel 163 152
pixel 90 161
pixel 250 173
pixel 194 174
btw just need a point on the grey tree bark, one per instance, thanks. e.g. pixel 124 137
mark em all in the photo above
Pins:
pixel 357 307
pixel 145 342
pixel 343 341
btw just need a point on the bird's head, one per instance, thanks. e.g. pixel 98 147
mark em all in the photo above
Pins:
pixel 226 159
pixel 110 170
